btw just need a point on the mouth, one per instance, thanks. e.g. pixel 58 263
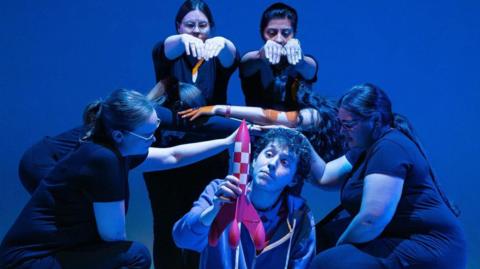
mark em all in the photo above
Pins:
pixel 264 175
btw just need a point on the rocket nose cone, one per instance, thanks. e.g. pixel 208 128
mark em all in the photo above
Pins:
pixel 243 134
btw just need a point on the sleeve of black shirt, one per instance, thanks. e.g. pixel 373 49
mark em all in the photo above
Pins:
pixel 161 63
pixel 389 158
pixel 106 182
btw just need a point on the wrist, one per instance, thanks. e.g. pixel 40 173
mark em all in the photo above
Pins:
pixel 228 111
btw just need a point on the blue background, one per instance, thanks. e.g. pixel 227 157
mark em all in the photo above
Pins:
pixel 56 56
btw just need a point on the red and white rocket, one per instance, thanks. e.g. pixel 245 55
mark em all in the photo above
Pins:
pixel 241 210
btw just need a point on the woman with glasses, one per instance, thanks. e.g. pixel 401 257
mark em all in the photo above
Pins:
pixel 76 216
pixel 195 56
pixel 39 159
pixel 271 76
pixel 400 218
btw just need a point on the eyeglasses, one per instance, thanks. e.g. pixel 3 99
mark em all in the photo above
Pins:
pixel 146 138
pixel 202 25
pixel 349 124
pixel 272 32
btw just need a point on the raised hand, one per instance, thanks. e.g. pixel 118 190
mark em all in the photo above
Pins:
pixel 213 46
pixel 272 51
pixel 193 46
pixel 193 113
pixel 293 51
pixel 227 191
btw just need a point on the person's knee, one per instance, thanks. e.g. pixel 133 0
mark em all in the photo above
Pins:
pixel 139 256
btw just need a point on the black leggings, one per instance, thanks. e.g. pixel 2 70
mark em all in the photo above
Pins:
pixel 108 255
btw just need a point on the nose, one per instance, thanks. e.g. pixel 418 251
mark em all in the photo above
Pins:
pixel 272 164
pixel 196 29
pixel 279 38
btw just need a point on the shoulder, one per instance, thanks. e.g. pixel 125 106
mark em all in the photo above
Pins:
pixel 394 142
pixel 159 46
pixel 99 156
pixel 251 55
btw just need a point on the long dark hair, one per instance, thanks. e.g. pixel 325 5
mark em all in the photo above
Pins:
pixel 122 110
pixel 366 100
pixel 325 134
pixel 279 11
pixel 190 5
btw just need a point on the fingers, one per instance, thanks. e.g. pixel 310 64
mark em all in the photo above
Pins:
pixel 213 46
pixel 185 111
pixel 193 49
pixel 229 189
pixel 200 49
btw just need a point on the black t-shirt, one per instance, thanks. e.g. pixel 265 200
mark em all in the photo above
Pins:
pixel 41 158
pixel 212 77
pixel 271 86
pixel 60 213
pixel 420 209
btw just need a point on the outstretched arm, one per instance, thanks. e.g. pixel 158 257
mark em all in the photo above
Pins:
pixel 181 155
pixel 257 115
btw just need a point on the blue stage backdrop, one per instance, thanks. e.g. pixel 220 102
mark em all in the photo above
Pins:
pixel 56 56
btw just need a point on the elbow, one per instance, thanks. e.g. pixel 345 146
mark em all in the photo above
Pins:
pixel 377 220
pixel 113 236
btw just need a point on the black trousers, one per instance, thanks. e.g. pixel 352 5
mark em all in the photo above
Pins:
pixel 108 255
pixel 172 193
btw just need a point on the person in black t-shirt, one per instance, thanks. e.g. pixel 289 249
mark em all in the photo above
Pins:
pixel 196 57
pixel 39 159
pixel 193 56
pixel 76 216
pixel 399 217
pixel 271 76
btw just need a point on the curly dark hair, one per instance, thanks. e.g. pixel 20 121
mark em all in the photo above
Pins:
pixel 325 134
pixel 296 143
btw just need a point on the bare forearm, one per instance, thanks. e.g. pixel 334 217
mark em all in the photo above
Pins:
pixel 363 228
pixel 190 153
pixel 259 115
pixel 306 67
pixel 227 54
pixel 174 46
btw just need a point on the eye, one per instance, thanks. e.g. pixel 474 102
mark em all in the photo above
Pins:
pixel 268 153
pixel 272 32
pixel 285 162
pixel 189 24
pixel 203 24
pixel 286 32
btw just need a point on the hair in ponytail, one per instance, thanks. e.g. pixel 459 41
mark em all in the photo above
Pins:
pixel 366 100
pixel 122 110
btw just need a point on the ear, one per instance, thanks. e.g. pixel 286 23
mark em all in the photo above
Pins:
pixel 376 120
pixel 117 136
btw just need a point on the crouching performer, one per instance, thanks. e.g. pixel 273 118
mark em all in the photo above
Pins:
pixel 280 163
pixel 76 216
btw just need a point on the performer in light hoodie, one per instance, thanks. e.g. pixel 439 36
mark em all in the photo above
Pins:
pixel 280 163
